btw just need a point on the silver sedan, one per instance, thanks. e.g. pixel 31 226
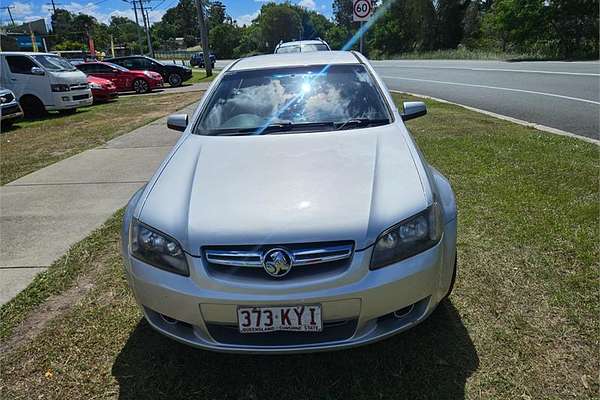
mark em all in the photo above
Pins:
pixel 294 214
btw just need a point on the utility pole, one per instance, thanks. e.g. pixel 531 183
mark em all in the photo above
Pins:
pixel 146 27
pixel 7 8
pixel 137 25
pixel 362 42
pixel 53 4
pixel 204 37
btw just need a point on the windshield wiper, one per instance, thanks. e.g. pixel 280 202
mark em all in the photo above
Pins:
pixel 280 126
pixel 359 122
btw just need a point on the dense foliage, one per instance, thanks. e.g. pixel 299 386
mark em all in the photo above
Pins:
pixel 537 28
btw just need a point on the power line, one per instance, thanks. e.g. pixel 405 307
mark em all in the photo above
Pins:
pixel 7 8
pixel 146 23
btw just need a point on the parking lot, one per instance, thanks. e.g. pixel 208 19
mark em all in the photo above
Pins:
pixel 525 301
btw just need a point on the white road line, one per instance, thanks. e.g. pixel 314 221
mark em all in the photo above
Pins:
pixel 530 71
pixel 494 88
pixel 506 118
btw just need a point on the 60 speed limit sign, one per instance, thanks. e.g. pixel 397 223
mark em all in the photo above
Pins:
pixel 361 10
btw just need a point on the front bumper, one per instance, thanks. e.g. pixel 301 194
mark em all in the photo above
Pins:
pixel 156 83
pixel 10 111
pixel 357 306
pixel 71 99
pixel 104 94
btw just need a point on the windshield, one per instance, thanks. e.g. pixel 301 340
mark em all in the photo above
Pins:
pixel 116 66
pixel 289 49
pixel 304 48
pixel 156 61
pixel 288 99
pixel 314 47
pixel 54 63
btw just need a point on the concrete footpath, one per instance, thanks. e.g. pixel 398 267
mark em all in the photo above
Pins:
pixel 44 213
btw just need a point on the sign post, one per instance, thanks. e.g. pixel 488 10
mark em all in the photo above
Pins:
pixel 361 12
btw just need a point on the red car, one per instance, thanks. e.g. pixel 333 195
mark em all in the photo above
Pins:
pixel 124 79
pixel 102 89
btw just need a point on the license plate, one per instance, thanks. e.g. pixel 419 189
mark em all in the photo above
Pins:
pixel 305 318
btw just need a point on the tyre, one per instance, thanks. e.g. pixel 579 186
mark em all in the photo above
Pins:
pixel 453 279
pixel 70 111
pixel 6 125
pixel 175 80
pixel 141 86
pixel 32 107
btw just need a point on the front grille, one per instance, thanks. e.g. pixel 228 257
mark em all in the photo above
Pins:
pixel 308 259
pixel 80 96
pixel 332 331
pixel 79 86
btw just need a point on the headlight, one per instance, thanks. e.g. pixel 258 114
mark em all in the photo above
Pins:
pixel 156 248
pixel 94 85
pixel 149 74
pixel 60 88
pixel 412 236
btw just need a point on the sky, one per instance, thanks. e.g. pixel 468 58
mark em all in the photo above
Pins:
pixel 243 11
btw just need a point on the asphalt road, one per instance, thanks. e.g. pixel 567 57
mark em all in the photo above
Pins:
pixel 560 95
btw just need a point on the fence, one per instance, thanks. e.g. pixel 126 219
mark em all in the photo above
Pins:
pixel 174 54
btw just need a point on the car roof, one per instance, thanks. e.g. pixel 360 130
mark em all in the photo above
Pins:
pixel 26 53
pixel 295 60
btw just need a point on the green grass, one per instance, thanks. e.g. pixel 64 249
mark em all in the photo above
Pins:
pixel 521 324
pixel 31 145
pixel 83 257
pixel 465 54
pixel 199 75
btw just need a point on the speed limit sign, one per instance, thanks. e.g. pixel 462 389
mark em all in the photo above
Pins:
pixel 361 10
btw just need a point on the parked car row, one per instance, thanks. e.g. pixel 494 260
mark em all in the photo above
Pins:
pixel 33 83
pixel 124 80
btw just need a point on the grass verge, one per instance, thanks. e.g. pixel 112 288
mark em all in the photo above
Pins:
pixel 522 322
pixel 31 145
pixel 465 54
pixel 85 257
pixel 199 75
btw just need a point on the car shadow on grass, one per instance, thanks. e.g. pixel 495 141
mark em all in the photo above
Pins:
pixel 431 361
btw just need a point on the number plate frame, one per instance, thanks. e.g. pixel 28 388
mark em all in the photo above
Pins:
pixel 305 325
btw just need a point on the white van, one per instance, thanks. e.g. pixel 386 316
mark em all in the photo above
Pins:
pixel 44 82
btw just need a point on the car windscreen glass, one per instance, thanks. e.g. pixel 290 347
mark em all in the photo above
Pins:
pixel 293 99
pixel 288 49
pixel 54 63
pixel 314 47
pixel 156 61
pixel 116 66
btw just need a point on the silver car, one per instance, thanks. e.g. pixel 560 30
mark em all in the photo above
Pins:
pixel 294 214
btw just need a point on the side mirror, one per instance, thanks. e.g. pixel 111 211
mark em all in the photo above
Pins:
pixel 413 109
pixel 177 122
pixel 37 71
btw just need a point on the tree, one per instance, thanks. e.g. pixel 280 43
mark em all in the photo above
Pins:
pixel 472 25
pixel 574 26
pixel 224 38
pixel 216 14
pixel 406 26
pixel 278 22
pixel 450 14
pixel 180 21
